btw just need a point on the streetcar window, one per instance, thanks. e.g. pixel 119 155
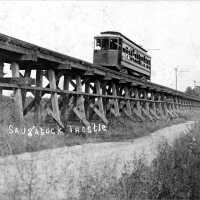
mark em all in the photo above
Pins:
pixel 105 44
pixel 127 50
pixel 113 44
pixel 98 44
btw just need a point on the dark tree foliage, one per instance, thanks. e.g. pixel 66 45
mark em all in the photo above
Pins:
pixel 192 91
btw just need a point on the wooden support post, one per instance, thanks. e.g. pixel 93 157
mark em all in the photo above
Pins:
pixel 173 110
pixel 176 106
pixel 166 111
pixel 17 94
pixel 1 74
pixel 146 109
pixel 38 109
pixel 152 110
pixel 153 103
pixel 138 110
pixel 79 110
pixel 99 103
pixel 115 109
pixel 65 112
pixel 128 110
pixel 27 74
pixel 54 97
pixel 160 107
pixel 87 99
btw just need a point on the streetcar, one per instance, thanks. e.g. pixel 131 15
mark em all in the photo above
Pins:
pixel 115 51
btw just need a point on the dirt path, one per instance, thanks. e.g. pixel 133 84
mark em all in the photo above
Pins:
pixel 56 174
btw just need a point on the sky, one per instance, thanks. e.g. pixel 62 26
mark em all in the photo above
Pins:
pixel 172 28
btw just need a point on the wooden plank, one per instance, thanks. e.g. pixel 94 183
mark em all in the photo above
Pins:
pixel 17 94
pixel 29 57
pixel 18 80
pixel 66 66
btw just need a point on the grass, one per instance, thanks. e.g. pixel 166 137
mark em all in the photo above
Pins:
pixel 173 174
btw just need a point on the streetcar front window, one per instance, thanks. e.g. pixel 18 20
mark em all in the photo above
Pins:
pixel 105 44
pixel 113 44
pixel 97 44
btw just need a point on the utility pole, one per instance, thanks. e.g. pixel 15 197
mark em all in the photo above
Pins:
pixel 176 74
pixel 194 84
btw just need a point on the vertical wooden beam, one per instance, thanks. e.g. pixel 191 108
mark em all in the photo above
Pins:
pixel 87 99
pixel 27 74
pixel 1 74
pixel 100 111
pixel 79 110
pixel 115 101
pixel 138 110
pixel 100 102
pixel 54 96
pixel 153 110
pixel 160 107
pixel 153 95
pixel 67 102
pixel 128 104
pixel 104 92
pixel 146 109
pixel 38 109
pixel 173 108
pixel 66 83
pixel 17 93
pixel 138 106
pixel 146 103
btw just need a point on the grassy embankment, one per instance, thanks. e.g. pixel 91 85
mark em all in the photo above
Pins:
pixel 174 174
pixel 118 130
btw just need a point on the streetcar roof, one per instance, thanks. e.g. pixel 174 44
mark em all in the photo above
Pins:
pixel 123 36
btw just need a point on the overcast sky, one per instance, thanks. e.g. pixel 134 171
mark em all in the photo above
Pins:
pixel 69 28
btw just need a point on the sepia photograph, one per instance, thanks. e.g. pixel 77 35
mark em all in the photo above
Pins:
pixel 99 100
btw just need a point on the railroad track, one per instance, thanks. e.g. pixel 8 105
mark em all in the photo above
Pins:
pixel 81 89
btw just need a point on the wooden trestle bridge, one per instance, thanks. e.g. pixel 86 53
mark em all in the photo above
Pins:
pixel 87 90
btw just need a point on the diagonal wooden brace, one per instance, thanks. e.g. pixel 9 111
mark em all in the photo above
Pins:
pixel 147 114
pixel 138 114
pixel 154 114
pixel 99 113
